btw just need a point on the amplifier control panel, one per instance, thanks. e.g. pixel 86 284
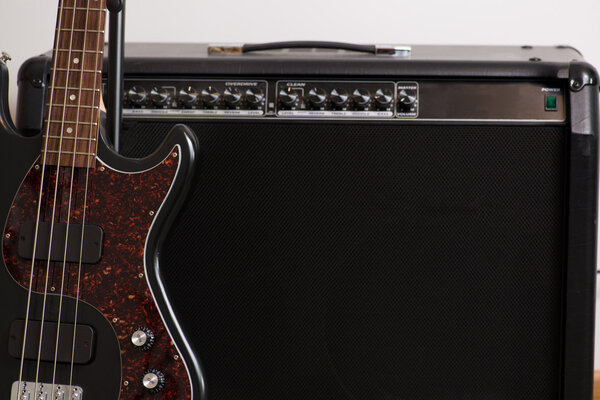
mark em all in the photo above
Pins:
pixel 339 99
pixel 203 98
pixel 392 100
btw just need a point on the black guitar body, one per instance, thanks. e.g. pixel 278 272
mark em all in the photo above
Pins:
pixel 117 295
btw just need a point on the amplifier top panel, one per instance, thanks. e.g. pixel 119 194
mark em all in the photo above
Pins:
pixel 416 53
pixel 195 59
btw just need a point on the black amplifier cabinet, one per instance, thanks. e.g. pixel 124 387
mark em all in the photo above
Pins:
pixel 412 227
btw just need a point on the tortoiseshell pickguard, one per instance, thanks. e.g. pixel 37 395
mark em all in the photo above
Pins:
pixel 124 205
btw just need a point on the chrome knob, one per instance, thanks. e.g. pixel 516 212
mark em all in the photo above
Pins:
pixel 361 98
pixel 254 97
pixel 142 338
pixel 406 99
pixel 317 97
pixel 288 97
pixel 137 95
pixel 339 98
pixel 153 380
pixel 159 96
pixel 188 96
pixel 210 96
pixel 384 98
pixel 232 97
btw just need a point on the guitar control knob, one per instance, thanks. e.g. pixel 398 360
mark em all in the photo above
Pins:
pixel 153 380
pixel 384 98
pixel 188 97
pixel 254 97
pixel 288 97
pixel 317 97
pixel 406 98
pixel 232 97
pixel 142 338
pixel 137 95
pixel 159 96
pixel 210 96
pixel 339 98
pixel 361 98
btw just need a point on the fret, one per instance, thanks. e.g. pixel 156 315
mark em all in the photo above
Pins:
pixel 77 153
pixel 79 51
pixel 75 89
pixel 87 139
pixel 56 121
pixel 87 71
pixel 79 30
pixel 82 9
pixel 73 106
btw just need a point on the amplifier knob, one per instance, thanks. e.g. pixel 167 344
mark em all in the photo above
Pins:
pixel 254 97
pixel 137 95
pixel 288 97
pixel 361 98
pixel 406 98
pixel 159 96
pixel 317 97
pixel 188 96
pixel 384 98
pixel 210 96
pixel 232 97
pixel 339 98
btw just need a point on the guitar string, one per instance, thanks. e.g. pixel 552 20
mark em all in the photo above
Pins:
pixel 87 179
pixel 55 205
pixel 39 207
pixel 73 167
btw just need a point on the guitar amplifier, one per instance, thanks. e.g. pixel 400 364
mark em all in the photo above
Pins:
pixel 410 224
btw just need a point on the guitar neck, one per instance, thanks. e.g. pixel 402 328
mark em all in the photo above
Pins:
pixel 73 102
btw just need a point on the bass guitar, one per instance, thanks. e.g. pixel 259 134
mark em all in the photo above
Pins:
pixel 85 315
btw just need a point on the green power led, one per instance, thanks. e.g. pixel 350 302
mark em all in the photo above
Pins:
pixel 551 103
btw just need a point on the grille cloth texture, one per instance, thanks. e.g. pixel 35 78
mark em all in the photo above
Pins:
pixel 336 261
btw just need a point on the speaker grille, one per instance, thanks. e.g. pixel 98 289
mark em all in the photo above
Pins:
pixel 332 261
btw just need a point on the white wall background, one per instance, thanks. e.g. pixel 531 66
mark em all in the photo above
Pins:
pixel 27 26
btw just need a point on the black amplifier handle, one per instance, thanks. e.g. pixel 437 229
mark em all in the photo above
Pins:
pixel 307 44
pixel 376 49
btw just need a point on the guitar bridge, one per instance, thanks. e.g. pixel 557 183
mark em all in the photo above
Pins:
pixel 44 391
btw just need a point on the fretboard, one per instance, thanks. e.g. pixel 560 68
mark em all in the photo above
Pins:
pixel 73 102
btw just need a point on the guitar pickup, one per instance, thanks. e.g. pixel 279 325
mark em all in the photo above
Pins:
pixel 84 342
pixel 90 251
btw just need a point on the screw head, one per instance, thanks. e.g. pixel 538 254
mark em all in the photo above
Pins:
pixel 151 213
pixel 174 155
pixel 102 169
pixel 115 320
pixel 36 167
pixel 125 383
pixel 7 236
